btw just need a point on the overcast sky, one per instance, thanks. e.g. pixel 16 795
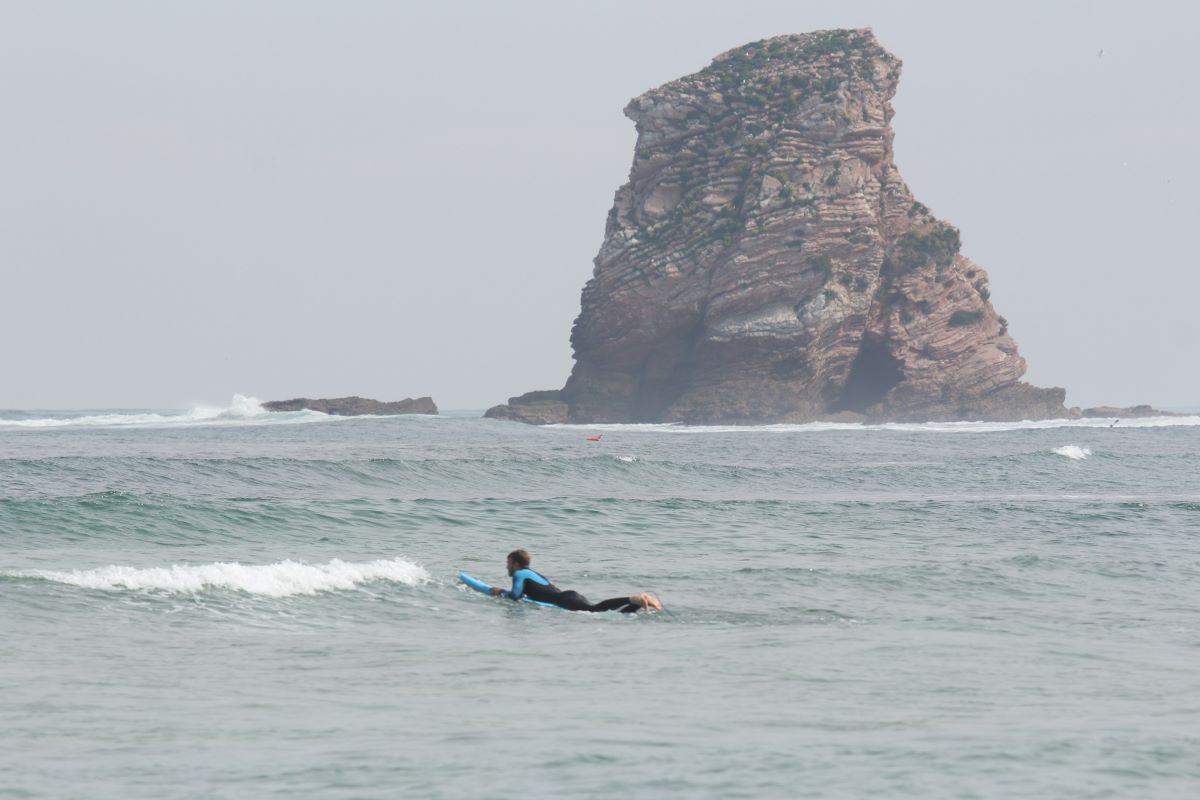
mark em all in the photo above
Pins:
pixel 377 198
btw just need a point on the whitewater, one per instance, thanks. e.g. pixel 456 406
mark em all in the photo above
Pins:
pixel 225 602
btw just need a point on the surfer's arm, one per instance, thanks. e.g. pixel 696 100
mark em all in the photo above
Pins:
pixel 518 587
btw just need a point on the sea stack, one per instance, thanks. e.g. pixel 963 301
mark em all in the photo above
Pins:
pixel 767 263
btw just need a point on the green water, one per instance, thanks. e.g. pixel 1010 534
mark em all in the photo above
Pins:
pixel 251 606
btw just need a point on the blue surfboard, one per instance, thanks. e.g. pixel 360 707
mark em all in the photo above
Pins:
pixel 480 586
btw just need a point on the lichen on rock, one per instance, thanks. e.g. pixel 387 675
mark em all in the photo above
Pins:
pixel 767 263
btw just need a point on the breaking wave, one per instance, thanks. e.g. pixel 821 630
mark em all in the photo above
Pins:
pixel 913 427
pixel 282 579
pixel 241 410
pixel 1073 452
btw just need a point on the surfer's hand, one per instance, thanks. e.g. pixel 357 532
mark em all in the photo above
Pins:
pixel 495 591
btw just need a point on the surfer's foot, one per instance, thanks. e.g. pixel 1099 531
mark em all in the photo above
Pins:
pixel 647 601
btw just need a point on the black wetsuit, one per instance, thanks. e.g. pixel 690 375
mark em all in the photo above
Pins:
pixel 527 583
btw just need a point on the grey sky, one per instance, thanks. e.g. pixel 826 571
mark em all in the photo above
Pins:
pixel 288 198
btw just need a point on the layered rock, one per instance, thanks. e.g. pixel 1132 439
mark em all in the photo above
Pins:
pixel 767 263
pixel 355 406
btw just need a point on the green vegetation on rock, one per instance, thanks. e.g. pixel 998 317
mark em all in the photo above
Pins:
pixel 939 243
pixel 822 264
pixel 962 318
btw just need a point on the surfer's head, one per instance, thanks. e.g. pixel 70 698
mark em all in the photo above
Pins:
pixel 518 559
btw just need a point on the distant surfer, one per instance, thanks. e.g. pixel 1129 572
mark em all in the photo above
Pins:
pixel 527 583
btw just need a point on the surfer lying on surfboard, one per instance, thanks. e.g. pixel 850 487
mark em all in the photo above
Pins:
pixel 527 583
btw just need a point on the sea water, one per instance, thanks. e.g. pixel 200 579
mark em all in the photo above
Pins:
pixel 231 604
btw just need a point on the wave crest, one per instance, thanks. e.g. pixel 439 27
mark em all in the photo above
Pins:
pixel 903 427
pixel 282 579
pixel 1073 452
pixel 241 410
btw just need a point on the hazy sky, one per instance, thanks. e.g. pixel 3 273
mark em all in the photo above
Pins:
pixel 390 199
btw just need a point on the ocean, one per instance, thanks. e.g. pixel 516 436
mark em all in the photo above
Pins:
pixel 224 603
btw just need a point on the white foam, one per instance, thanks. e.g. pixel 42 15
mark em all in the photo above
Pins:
pixel 1074 452
pixel 240 411
pixel 282 579
pixel 907 427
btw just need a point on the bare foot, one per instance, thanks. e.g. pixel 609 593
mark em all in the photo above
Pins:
pixel 646 601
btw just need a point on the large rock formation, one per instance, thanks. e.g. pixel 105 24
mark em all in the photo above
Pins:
pixel 355 406
pixel 767 263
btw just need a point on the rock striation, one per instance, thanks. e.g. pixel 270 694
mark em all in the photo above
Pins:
pixel 355 406
pixel 767 263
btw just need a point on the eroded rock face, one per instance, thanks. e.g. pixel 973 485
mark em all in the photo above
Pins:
pixel 355 406
pixel 767 263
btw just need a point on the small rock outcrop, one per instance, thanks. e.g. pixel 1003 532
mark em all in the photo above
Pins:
pixel 536 408
pixel 767 263
pixel 355 406
pixel 1122 412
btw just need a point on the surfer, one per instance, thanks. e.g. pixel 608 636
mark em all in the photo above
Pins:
pixel 527 583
